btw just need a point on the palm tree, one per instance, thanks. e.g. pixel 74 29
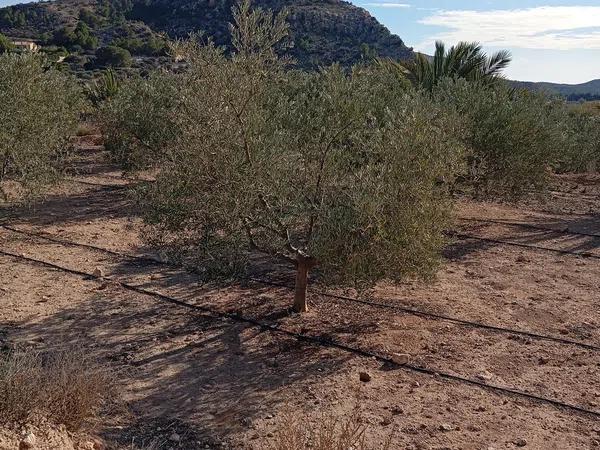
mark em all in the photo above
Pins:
pixel 464 60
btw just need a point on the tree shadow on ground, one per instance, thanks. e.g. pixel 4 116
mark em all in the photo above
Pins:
pixel 460 249
pixel 573 233
pixel 91 160
pixel 97 202
pixel 214 376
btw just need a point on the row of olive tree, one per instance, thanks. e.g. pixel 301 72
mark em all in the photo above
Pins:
pixel 514 136
pixel 39 111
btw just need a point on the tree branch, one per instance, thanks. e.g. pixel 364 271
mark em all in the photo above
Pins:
pixel 255 246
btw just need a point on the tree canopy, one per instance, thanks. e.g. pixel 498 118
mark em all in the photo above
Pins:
pixel 39 110
pixel 333 171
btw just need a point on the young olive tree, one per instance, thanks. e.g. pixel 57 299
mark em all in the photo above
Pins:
pixel 39 111
pixel 335 171
pixel 137 120
pixel 582 151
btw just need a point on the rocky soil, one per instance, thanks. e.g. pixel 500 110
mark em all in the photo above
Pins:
pixel 191 379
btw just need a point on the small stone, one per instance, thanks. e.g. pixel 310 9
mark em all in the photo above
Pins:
pixel 246 421
pixel 446 427
pixel 397 411
pixel 520 442
pixel 98 444
pixel 365 377
pixel 522 259
pixel 28 441
pixel 175 437
pixel 386 421
pixel 401 358
pixel 485 375
pixel 98 272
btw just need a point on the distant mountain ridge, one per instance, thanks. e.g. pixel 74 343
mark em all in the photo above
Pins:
pixel 573 92
pixel 322 31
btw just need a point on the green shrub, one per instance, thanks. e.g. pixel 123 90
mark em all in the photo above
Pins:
pixel 79 37
pixel 102 88
pixel 514 137
pixel 6 44
pixel 39 111
pixel 112 56
pixel 344 172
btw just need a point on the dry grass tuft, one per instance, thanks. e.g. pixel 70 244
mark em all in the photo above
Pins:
pixel 332 434
pixel 65 387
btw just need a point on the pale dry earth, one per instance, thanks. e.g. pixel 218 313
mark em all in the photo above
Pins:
pixel 220 383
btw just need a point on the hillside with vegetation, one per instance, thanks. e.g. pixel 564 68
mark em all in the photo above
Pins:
pixel 321 32
pixel 573 92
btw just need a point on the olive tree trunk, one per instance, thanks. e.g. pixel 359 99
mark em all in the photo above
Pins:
pixel 303 266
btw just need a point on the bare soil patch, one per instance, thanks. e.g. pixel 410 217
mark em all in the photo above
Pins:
pixel 193 380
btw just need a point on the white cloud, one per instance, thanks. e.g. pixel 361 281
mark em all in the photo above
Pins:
pixel 387 5
pixel 546 27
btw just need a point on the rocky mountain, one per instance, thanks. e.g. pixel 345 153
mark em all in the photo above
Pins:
pixel 322 31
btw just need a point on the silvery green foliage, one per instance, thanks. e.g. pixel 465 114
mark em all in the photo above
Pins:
pixel 514 137
pixel 582 151
pixel 137 120
pixel 39 111
pixel 349 170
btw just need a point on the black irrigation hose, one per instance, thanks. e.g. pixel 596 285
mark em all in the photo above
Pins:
pixel 416 312
pixel 318 341
pixel 518 244
pixel 65 242
pixel 529 225
pixel 412 311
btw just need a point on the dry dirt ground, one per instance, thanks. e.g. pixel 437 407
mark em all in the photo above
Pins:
pixel 221 383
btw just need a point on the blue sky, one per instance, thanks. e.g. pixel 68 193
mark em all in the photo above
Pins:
pixel 551 40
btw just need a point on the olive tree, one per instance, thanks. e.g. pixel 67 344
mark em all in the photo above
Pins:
pixel 582 151
pixel 335 171
pixel 137 120
pixel 514 136
pixel 39 111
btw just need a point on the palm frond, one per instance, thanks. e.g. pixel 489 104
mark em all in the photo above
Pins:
pixel 464 60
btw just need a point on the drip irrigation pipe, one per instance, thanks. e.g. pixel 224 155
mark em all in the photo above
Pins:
pixel 319 341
